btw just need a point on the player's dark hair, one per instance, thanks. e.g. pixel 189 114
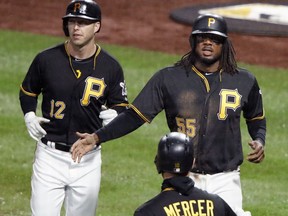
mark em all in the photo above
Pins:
pixel 227 60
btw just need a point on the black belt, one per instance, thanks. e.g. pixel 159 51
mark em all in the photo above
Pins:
pixel 56 145
pixel 203 172
pixel 210 172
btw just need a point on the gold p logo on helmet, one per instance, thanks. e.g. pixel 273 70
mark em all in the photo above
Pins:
pixel 76 6
pixel 211 21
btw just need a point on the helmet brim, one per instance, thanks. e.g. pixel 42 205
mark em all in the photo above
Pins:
pixel 209 32
pixel 79 16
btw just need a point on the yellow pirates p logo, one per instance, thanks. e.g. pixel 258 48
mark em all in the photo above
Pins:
pixel 76 6
pixel 211 21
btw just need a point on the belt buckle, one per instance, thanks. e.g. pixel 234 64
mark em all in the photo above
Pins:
pixel 62 147
pixel 55 145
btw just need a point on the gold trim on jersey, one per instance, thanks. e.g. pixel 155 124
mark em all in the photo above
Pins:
pixel 258 117
pixel 221 75
pixel 120 105
pixel 203 77
pixel 168 189
pixel 78 73
pixel 139 113
pixel 98 49
pixel 27 93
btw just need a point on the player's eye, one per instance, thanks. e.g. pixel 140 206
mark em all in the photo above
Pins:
pixel 79 22
pixel 213 38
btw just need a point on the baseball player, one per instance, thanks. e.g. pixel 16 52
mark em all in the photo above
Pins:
pixel 178 195
pixel 83 88
pixel 204 95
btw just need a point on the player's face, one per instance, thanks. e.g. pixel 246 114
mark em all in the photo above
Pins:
pixel 82 31
pixel 209 48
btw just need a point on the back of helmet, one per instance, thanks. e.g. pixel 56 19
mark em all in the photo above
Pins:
pixel 175 154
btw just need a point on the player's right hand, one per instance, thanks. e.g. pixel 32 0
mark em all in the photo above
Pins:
pixel 257 154
pixel 84 144
pixel 33 124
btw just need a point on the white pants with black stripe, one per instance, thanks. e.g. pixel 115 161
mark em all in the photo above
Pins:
pixel 227 185
pixel 57 178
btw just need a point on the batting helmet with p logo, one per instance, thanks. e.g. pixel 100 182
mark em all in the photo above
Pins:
pixel 210 24
pixel 84 9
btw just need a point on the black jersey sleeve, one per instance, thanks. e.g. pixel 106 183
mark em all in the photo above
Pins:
pixel 150 101
pixel 254 114
pixel 31 87
pixel 27 103
pixel 123 124
pixel 257 130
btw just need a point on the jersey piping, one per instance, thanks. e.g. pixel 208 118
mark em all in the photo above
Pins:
pixel 258 117
pixel 139 113
pixel 77 74
pixel 27 93
pixel 203 77
pixel 168 189
pixel 120 105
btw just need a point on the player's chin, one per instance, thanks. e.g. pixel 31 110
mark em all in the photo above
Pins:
pixel 208 60
pixel 77 39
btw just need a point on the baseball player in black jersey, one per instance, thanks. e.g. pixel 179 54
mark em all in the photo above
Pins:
pixel 204 95
pixel 83 88
pixel 178 195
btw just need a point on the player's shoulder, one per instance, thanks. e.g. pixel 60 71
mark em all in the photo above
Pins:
pixel 241 76
pixel 107 57
pixel 245 73
pixel 53 50
pixel 167 74
pixel 171 71
pixel 56 52
pixel 149 207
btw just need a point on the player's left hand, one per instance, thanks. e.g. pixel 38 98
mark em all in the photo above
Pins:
pixel 257 154
pixel 84 144
pixel 107 115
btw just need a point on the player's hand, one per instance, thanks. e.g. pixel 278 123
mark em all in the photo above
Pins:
pixel 84 144
pixel 33 124
pixel 257 154
pixel 107 115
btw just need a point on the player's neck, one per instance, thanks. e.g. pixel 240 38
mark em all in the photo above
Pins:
pixel 207 68
pixel 81 52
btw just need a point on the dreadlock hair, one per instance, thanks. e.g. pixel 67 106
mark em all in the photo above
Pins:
pixel 227 60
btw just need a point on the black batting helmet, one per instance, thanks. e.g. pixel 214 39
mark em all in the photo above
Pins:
pixel 84 9
pixel 175 153
pixel 210 23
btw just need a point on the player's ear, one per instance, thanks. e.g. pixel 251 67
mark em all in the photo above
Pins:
pixel 97 26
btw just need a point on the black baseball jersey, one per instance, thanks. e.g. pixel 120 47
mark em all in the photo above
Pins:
pixel 73 91
pixel 197 202
pixel 209 113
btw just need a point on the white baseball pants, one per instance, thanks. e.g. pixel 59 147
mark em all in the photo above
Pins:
pixel 56 177
pixel 227 185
